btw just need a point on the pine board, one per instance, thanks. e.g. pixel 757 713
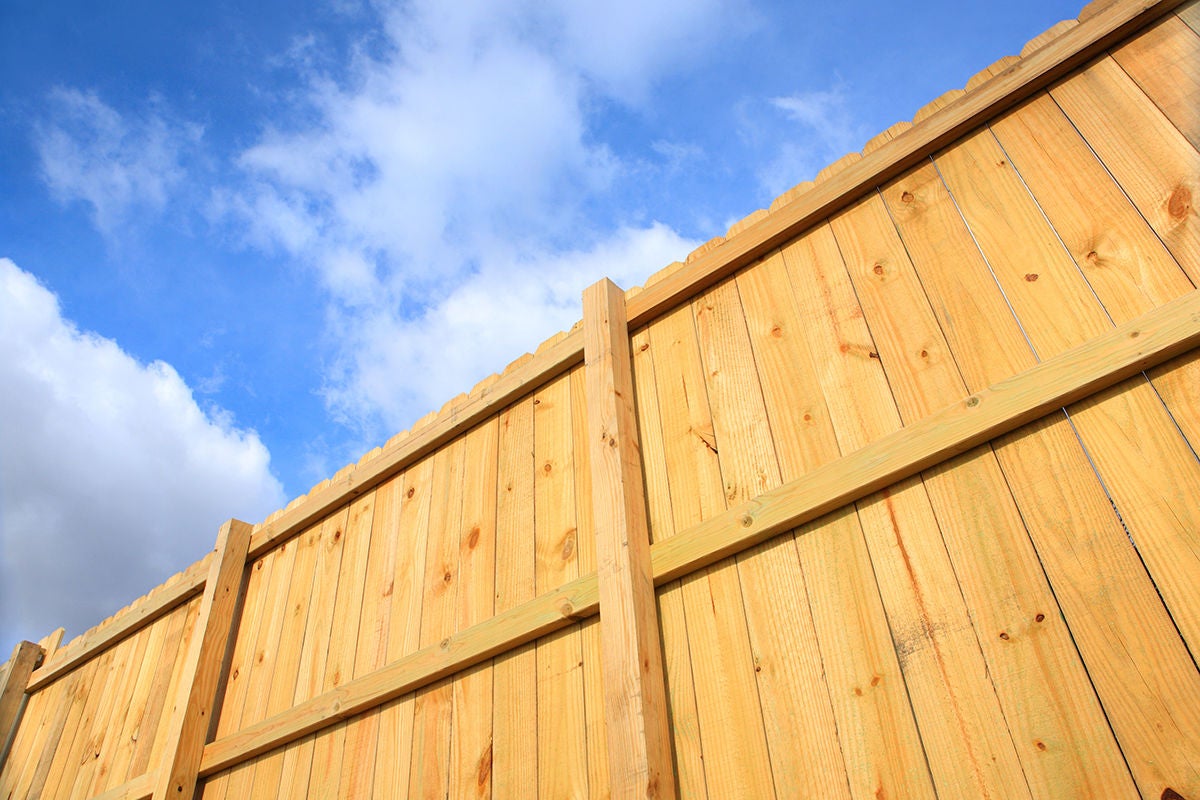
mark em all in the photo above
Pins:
pixel 736 756
pixel 877 734
pixel 794 698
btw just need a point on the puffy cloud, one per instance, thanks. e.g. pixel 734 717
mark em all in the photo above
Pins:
pixel 393 364
pixel 449 192
pixel 111 476
pixel 89 152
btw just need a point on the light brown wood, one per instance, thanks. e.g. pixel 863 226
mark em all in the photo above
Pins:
pixel 984 415
pixel 677 656
pixel 1164 60
pixel 635 703
pixel 192 718
pixel 14 678
pixel 875 728
pixel 733 743
pixel 1152 161
pixel 589 630
pixel 1005 406
pixel 562 723
pixel 155 605
pixel 470 770
pixel 1034 664
pixel 794 703
pixel 1030 75
pixel 138 788
pixel 514 720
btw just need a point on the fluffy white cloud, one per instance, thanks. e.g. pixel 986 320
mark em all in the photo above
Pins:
pixel 89 152
pixel 448 191
pixel 393 364
pixel 111 476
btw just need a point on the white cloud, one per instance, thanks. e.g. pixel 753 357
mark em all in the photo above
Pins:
pixel 449 193
pixel 393 365
pixel 111 476
pixel 117 165
pixel 825 128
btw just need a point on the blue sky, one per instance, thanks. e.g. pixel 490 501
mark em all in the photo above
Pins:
pixel 239 248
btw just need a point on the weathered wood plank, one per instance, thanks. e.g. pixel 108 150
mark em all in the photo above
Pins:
pixel 192 719
pixel 635 703
pixel 14 679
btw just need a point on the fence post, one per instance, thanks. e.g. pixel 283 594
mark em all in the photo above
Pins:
pixel 192 717
pixel 14 677
pixel 635 698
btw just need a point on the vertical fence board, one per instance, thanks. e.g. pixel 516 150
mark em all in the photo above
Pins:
pixel 677 657
pixel 343 641
pixel 358 760
pixel 794 699
pixel 432 713
pixel 393 752
pixel 589 630
pixel 562 732
pixel 1165 62
pixel 876 731
pixel 471 745
pixel 95 774
pixel 736 758
pixel 1077 752
pixel 514 724
pixel 1147 155
pixel 638 753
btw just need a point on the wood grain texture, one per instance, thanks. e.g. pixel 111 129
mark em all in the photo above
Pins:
pixel 1164 60
pixel 14 678
pixel 635 703
pixel 876 731
pixel 514 720
pixel 1043 686
pixel 677 657
pixel 1152 161
pixel 562 732
pixel 737 760
pixel 189 724
pixel 797 714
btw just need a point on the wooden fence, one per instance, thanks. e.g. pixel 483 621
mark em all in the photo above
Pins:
pixel 891 492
